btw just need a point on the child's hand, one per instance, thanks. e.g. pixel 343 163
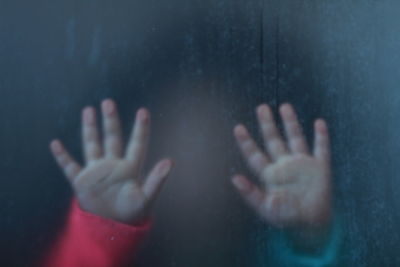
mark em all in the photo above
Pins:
pixel 110 185
pixel 296 186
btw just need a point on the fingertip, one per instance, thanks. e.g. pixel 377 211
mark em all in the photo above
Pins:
pixel 108 106
pixel 260 108
pixel 143 115
pixel 321 126
pixel 287 111
pixel 263 109
pixel 165 167
pixel 169 162
pixel 285 106
pixel 236 178
pixel 240 182
pixel 107 100
pixel 56 146
pixel 88 114
pixel 87 109
pixel 172 162
pixel 240 131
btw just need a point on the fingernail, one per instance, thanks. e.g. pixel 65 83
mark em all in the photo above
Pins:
pixel 240 131
pixel 240 184
pixel 287 111
pixel 108 107
pixel 261 108
pixel 165 167
pixel 56 147
pixel 321 125
pixel 263 111
pixel 142 115
pixel 88 115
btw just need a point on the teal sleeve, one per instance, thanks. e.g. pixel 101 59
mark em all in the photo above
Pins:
pixel 281 252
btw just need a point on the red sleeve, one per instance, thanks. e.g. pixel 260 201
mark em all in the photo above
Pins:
pixel 90 240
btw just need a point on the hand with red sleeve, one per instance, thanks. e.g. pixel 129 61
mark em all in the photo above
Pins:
pixel 109 216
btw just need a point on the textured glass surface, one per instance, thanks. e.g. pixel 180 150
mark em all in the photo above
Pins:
pixel 201 67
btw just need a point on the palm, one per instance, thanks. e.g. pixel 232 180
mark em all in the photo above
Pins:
pixel 109 189
pixel 298 187
pixel 109 185
pixel 295 187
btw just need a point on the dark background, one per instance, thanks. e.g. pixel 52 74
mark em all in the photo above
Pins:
pixel 200 66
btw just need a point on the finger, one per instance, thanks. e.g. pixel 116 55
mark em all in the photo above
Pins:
pixel 254 157
pixel 90 135
pixel 273 140
pixel 293 130
pixel 322 142
pixel 137 147
pixel 112 130
pixel 156 178
pixel 253 196
pixel 68 165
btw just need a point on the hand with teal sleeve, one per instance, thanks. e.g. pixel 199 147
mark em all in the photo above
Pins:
pixel 294 195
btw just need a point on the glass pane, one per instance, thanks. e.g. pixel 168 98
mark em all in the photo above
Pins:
pixel 201 68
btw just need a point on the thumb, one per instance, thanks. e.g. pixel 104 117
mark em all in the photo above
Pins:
pixel 156 178
pixel 250 192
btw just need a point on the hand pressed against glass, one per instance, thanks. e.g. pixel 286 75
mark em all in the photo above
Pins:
pixel 296 183
pixel 110 184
